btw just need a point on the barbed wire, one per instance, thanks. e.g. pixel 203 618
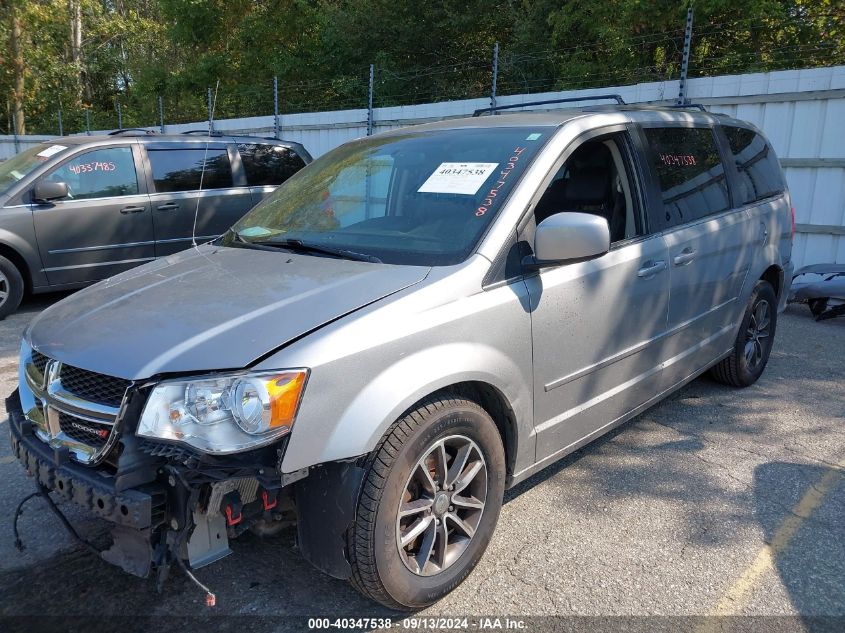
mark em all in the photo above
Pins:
pixel 718 47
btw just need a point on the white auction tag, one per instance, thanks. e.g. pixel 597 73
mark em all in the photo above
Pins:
pixel 53 149
pixel 461 178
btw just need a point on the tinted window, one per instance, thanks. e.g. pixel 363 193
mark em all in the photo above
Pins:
pixel 98 174
pixel 691 175
pixel 182 169
pixel 759 171
pixel 268 164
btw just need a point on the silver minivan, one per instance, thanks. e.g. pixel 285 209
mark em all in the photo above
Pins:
pixel 410 325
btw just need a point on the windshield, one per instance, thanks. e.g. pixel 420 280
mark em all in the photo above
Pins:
pixel 17 167
pixel 422 198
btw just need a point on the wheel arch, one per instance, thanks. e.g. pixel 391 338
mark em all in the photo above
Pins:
pixel 774 275
pixel 20 263
pixel 494 402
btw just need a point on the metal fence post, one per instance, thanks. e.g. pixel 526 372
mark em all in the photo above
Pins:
pixel 682 85
pixel 61 127
pixel 88 121
pixel 370 102
pixel 161 113
pixel 275 107
pixel 210 115
pixel 495 75
pixel 119 117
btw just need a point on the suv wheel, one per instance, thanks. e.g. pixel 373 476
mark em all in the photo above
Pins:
pixel 429 503
pixel 754 342
pixel 11 287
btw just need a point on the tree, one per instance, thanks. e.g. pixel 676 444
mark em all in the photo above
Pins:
pixel 18 67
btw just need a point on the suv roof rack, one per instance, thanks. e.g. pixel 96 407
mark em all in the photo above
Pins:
pixel 618 99
pixel 204 132
pixel 132 131
pixel 686 106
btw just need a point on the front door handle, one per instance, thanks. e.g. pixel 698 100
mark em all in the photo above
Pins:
pixel 651 269
pixel 686 256
pixel 168 206
pixel 127 210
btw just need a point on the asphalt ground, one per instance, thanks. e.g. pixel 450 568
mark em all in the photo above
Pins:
pixel 716 502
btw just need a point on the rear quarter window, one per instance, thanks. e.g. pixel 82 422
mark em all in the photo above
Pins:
pixel 760 175
pixel 267 164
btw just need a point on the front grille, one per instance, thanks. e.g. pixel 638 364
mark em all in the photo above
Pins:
pixel 90 433
pixel 40 361
pixel 92 386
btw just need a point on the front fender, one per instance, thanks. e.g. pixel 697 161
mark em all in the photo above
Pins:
pixel 399 385
pixel 23 245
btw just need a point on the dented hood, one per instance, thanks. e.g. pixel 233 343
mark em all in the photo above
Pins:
pixel 208 308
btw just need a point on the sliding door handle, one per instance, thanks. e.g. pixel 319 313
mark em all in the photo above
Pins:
pixel 127 210
pixel 168 206
pixel 651 269
pixel 686 256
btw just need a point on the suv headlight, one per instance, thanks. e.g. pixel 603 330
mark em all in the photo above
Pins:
pixel 225 413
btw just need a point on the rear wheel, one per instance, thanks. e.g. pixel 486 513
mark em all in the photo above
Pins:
pixel 429 504
pixel 753 342
pixel 11 287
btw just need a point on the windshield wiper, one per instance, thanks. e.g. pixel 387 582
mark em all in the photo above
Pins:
pixel 310 247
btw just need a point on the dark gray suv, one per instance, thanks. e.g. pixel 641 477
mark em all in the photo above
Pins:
pixel 84 208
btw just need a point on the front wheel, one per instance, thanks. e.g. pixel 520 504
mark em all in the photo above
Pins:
pixel 11 287
pixel 429 504
pixel 753 342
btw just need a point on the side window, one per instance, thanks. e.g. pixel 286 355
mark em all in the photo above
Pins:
pixel 182 169
pixel 100 173
pixel 759 171
pixel 690 173
pixel 268 164
pixel 597 178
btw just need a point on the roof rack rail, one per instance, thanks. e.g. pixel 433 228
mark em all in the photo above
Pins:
pixel 619 100
pixel 204 132
pixel 686 106
pixel 132 131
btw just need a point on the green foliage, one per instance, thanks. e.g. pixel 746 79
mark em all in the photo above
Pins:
pixel 427 50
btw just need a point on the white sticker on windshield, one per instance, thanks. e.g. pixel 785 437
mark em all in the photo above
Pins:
pixel 460 178
pixel 53 149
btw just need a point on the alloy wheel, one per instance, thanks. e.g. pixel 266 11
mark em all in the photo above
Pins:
pixel 757 334
pixel 442 505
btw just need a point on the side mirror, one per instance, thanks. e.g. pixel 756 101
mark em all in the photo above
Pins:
pixel 46 190
pixel 569 236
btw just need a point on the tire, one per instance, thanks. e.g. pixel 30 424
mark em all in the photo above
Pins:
pixel 11 287
pixel 395 474
pixel 753 342
pixel 817 306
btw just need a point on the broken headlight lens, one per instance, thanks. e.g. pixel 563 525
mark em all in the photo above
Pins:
pixel 225 413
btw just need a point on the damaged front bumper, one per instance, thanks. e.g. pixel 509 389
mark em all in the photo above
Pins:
pixel 180 513
pixel 187 512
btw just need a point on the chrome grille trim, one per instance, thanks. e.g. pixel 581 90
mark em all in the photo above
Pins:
pixel 55 408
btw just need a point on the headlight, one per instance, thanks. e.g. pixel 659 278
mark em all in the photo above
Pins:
pixel 226 413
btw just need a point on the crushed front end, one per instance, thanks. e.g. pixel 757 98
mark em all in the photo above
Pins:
pixel 75 431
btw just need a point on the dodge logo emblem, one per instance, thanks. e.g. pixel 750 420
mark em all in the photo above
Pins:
pixel 102 433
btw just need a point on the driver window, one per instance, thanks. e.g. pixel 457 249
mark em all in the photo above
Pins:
pixel 595 179
pixel 100 173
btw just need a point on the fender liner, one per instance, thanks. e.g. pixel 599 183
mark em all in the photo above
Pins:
pixel 325 505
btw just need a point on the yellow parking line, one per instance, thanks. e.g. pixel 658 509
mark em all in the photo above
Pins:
pixel 740 592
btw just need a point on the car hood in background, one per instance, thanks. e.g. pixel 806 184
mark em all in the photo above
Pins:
pixel 208 308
